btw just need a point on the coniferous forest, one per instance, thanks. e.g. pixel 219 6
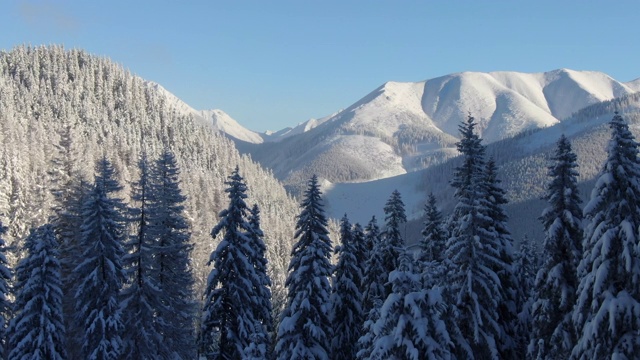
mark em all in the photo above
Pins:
pixel 122 237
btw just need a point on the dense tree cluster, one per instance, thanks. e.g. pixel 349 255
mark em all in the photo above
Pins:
pixel 126 296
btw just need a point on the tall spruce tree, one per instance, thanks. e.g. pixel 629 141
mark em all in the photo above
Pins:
pixel 258 341
pixel 366 343
pixel 474 251
pixel 507 308
pixel 37 331
pixel 169 228
pixel 431 257
pixel 553 335
pixel 410 326
pixel 100 274
pixel 526 265
pixel 5 277
pixel 346 298
pixel 434 237
pixel 392 237
pixel 142 298
pixel 361 254
pixel 375 275
pixel 229 308
pixel 305 329
pixel 608 302
pixel 69 189
pixel 67 222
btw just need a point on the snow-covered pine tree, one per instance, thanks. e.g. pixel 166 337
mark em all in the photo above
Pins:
pixel 169 227
pixel 434 237
pixel 361 254
pixel 142 298
pixel 431 257
pixel 507 308
pixel 474 251
pixel 375 275
pixel 100 274
pixel 553 335
pixel 410 326
pixel 367 340
pixel 346 298
pixel 5 277
pixel 258 348
pixel 67 223
pixel 230 307
pixel 608 302
pixel 263 308
pixel 37 330
pixel 372 235
pixel 305 328
pixel 525 268
pixel 392 238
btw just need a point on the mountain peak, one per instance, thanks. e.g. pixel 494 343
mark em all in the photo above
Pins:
pixel 225 123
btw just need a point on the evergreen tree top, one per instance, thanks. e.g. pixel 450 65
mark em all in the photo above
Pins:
pixel 394 210
pixel 562 191
pixel 312 217
pixel 372 229
pixel 473 165
pixel 254 221
pixel 106 178
pixel 346 234
pixel 432 245
pixel 235 214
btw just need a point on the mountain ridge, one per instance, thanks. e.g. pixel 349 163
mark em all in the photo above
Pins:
pixel 413 125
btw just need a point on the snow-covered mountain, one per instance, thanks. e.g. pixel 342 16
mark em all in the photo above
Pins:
pixel 226 124
pixel 220 120
pixel 522 162
pixel 296 130
pixel 404 127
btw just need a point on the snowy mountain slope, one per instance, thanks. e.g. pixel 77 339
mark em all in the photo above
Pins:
pixel 419 121
pixel 522 164
pixel 220 120
pixel 227 125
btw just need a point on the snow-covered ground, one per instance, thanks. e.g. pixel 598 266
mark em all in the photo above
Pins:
pixel 362 200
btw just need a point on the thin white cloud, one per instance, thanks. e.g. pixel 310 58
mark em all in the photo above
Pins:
pixel 47 14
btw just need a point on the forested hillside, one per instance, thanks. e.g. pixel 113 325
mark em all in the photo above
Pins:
pixel 71 107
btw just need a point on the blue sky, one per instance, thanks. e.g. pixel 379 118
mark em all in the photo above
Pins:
pixel 271 64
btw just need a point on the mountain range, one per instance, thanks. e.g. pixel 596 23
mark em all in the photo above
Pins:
pixel 402 136
pixel 403 127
